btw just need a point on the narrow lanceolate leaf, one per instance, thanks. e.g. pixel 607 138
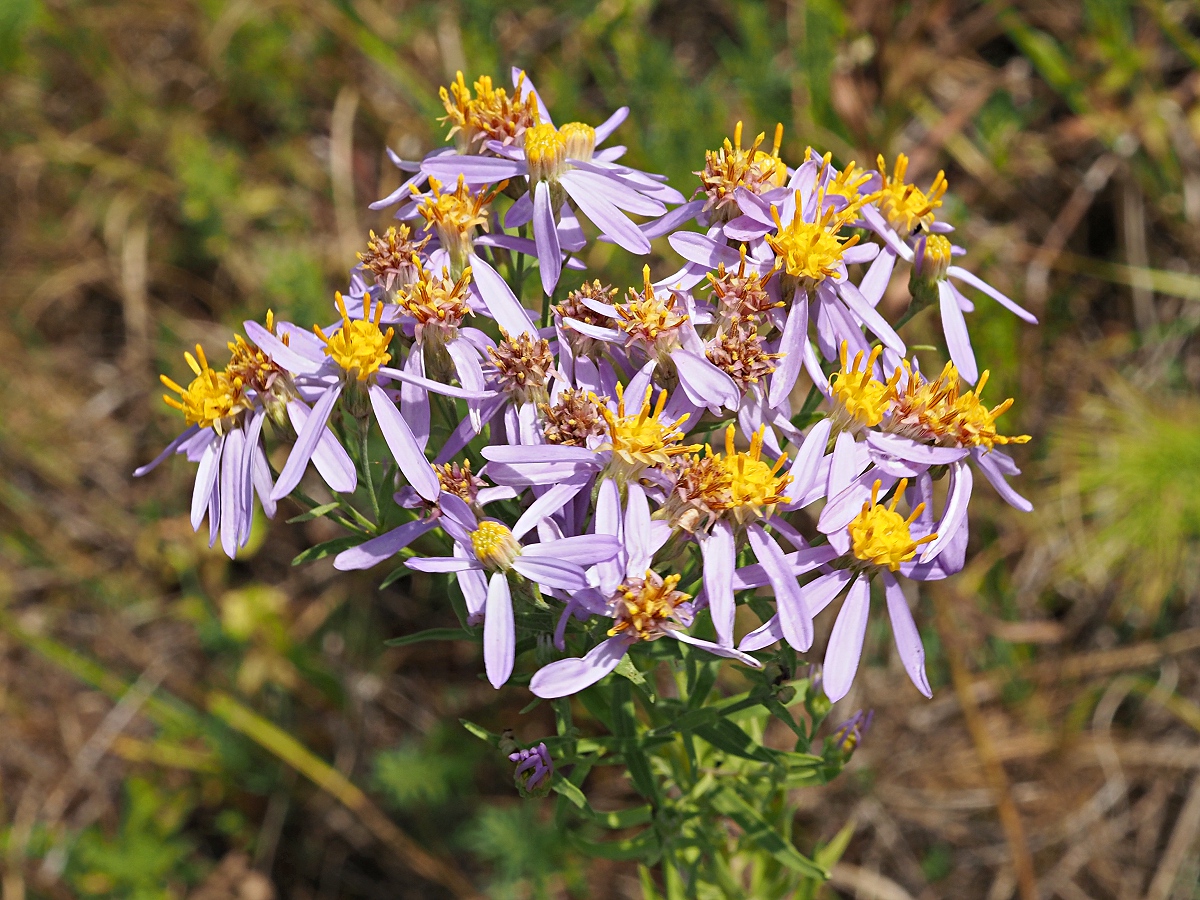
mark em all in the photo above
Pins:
pixel 328 548
pixel 435 634
pixel 759 831
pixel 314 513
pixel 625 727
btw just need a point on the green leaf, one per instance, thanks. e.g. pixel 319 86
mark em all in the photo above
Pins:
pixel 436 634
pixel 625 727
pixel 626 669
pixel 328 548
pixel 761 832
pixel 395 575
pixel 644 846
pixel 624 818
pixel 570 791
pixel 826 857
pixel 726 736
pixel 315 513
pixel 480 732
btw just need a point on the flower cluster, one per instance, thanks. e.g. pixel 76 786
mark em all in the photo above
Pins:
pixel 630 464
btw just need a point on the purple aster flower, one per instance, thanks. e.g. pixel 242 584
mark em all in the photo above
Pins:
pixel 490 546
pixel 644 606
pixel 848 735
pixel 535 770
pixel 562 163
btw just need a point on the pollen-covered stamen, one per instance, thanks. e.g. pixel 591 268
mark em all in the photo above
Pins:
pixel 574 419
pixel 906 207
pixel 389 257
pixel 646 606
pixel 847 183
pixel 755 488
pixel 810 252
pixel 545 152
pixel 523 364
pixel 642 439
pixel 580 140
pixel 255 370
pixel 741 354
pixel 741 296
pixel 459 480
pixel 455 215
pixel 490 115
pixel 574 307
pixel 700 495
pixel 437 303
pixel 650 318
pixel 212 400
pixel 360 346
pixel 881 536
pixel 494 545
pixel 862 400
pixel 730 167
pixel 936 412
pixel 737 485
pixel 934 259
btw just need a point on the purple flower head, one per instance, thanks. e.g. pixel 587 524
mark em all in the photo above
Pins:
pixel 850 733
pixel 535 770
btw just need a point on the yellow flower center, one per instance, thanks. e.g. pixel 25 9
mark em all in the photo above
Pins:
pixel 860 396
pixel 253 368
pixel 642 439
pixel 644 605
pixel 455 215
pixel 935 411
pixel 648 316
pixel 753 485
pixel 546 152
pixel 936 259
pixel 730 167
pixel 359 346
pixel 494 545
pixel 906 207
pixel 438 304
pixel 580 140
pixel 880 536
pixel 490 115
pixel 211 400
pixel 811 251
pixel 847 183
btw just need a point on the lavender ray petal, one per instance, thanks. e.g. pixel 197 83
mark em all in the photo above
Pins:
pixel 793 613
pixel 703 250
pixel 719 556
pixel 957 339
pixel 475 169
pixel 383 547
pixel 904 631
pixel 545 235
pixel 499 631
pixel 404 446
pixel 582 549
pixel 727 652
pixel 795 335
pixel 503 305
pixel 959 495
pixel 869 316
pixel 615 191
pixel 976 282
pixel 808 460
pixel 610 220
pixel 846 641
pixel 763 636
pixel 609 125
pixel 279 352
pixel 996 478
pixel 414 402
pixel 184 436
pixel 572 675
pixel 875 282
pixel 548 504
pixel 681 215
pixel 704 384
pixel 551 572
pixel 520 212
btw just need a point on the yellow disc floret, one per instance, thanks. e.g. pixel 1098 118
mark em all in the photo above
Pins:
pixel 580 140
pixel 861 398
pixel 730 167
pixel 455 215
pixel 644 606
pixel 811 251
pixel 494 545
pixel 936 259
pixel 213 398
pixel 546 152
pixel 642 439
pixel 649 317
pixel 359 347
pixel 490 115
pixel 880 536
pixel 754 486
pixel 936 411
pixel 906 207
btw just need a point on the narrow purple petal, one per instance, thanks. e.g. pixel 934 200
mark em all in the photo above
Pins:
pixel 704 384
pixel 499 632
pixel 441 564
pixel 861 253
pixel 793 614
pixel 476 169
pixel 474 586
pixel 795 335
pixel 231 489
pixel 681 215
pixel 583 549
pixel 260 473
pixel 183 437
pixel 957 339
pixel 995 476
pixel 545 235
pixel 904 630
pixel 520 212
pixel 436 387
pixel 570 676
pixel 280 353
pixel 383 547
pixel 614 191
pixel 414 401
pixel 808 460
pixel 306 443
pixel 763 636
pixel 959 495
pixel 719 558
pixel 875 282
pixel 611 221
pixel 716 649
pixel 822 590
pixel 846 642
pixel 330 459
pixel 976 282
pixel 503 305
pixel 609 125
pixel 703 250
pixel 869 316
pixel 547 505
pixel 554 573
pixel 400 440
pixel 906 448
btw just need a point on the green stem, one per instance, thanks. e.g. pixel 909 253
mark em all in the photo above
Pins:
pixel 364 458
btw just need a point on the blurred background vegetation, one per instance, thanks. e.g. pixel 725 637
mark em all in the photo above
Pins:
pixel 176 725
